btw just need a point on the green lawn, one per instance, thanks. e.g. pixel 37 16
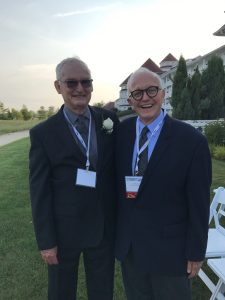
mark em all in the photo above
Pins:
pixel 23 275
pixel 7 126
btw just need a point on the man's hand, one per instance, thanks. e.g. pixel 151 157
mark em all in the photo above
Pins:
pixel 50 256
pixel 193 268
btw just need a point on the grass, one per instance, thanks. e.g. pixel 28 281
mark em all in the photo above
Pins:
pixel 7 126
pixel 23 275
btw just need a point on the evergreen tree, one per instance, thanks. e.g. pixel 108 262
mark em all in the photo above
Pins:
pixel 179 83
pixel 195 87
pixel 3 112
pixel 186 110
pixel 213 89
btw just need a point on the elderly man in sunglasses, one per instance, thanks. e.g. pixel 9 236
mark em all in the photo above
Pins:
pixel 72 188
pixel 164 177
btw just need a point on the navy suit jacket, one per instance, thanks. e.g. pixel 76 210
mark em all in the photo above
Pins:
pixel 65 214
pixel 167 224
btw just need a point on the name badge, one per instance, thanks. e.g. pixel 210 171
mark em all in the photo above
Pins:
pixel 86 178
pixel 132 186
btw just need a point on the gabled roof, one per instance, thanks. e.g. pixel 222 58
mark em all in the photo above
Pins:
pixel 149 64
pixel 220 32
pixel 169 57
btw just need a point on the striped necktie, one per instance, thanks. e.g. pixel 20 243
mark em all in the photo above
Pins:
pixel 143 157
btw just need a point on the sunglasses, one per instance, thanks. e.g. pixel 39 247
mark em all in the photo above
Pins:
pixel 72 84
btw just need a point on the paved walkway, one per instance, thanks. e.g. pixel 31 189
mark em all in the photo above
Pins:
pixel 13 136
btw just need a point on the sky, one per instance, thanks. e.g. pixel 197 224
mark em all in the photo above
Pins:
pixel 113 37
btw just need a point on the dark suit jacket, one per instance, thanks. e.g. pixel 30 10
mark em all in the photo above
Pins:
pixel 64 214
pixel 167 223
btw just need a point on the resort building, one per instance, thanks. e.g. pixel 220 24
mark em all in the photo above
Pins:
pixel 166 70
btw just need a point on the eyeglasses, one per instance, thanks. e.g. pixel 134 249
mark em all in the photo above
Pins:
pixel 72 84
pixel 151 91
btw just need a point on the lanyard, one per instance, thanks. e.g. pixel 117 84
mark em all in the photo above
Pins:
pixel 81 140
pixel 139 151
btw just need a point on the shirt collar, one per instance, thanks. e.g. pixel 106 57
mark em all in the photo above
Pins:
pixel 152 125
pixel 73 117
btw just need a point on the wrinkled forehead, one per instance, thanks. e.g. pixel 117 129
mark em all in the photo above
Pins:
pixel 142 80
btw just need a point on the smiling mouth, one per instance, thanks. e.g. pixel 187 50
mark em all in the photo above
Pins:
pixel 78 96
pixel 147 106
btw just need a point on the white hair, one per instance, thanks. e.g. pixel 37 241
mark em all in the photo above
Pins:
pixel 69 60
pixel 142 70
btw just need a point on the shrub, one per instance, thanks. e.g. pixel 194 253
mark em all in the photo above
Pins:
pixel 215 133
pixel 219 152
pixel 212 149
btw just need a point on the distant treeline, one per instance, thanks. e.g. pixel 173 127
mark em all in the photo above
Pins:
pixel 25 114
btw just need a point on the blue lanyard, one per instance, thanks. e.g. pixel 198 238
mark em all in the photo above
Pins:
pixel 81 140
pixel 139 151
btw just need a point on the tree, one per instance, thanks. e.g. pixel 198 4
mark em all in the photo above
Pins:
pixel 16 115
pixel 42 113
pixel 213 89
pixel 179 83
pixel 99 104
pixel 51 111
pixel 27 115
pixel 204 109
pixel 3 112
pixel 195 87
pixel 185 110
pixel 215 133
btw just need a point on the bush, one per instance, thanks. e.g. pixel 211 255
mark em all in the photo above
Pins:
pixel 212 149
pixel 215 133
pixel 219 152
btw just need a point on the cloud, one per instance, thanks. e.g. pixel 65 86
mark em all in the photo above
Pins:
pixel 87 11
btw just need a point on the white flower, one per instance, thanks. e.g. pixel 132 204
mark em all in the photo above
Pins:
pixel 107 125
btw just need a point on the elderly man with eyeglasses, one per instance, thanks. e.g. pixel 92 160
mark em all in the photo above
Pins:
pixel 164 177
pixel 72 186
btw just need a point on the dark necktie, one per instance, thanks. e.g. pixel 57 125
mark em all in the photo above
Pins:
pixel 143 157
pixel 82 128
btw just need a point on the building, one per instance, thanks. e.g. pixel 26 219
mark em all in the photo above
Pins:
pixel 121 103
pixel 220 32
pixel 167 71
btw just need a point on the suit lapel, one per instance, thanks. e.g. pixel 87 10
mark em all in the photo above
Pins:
pixel 158 153
pixel 98 119
pixel 129 145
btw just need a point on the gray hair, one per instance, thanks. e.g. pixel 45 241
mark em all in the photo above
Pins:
pixel 69 60
pixel 142 70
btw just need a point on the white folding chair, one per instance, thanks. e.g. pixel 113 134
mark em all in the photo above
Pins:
pixel 218 267
pixel 219 192
pixel 216 235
